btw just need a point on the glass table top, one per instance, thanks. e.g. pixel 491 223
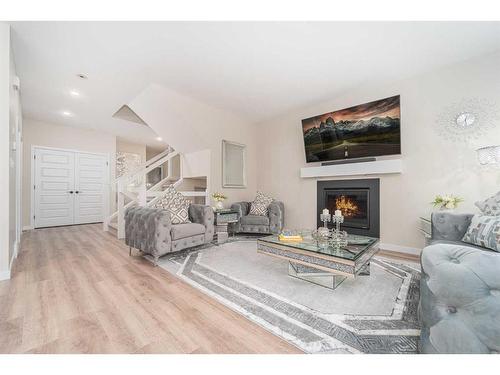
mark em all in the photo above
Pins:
pixel 356 246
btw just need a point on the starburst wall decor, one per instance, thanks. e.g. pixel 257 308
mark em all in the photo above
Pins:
pixel 467 120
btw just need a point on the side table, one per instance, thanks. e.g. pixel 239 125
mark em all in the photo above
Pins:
pixel 222 219
pixel 425 227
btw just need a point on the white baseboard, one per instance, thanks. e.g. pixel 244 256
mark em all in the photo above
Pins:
pixel 400 249
pixel 4 275
pixel 27 227
pixel 14 254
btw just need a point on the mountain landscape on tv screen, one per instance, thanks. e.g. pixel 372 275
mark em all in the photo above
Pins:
pixel 370 129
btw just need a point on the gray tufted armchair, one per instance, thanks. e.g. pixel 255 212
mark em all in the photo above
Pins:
pixel 460 291
pixel 272 223
pixel 151 231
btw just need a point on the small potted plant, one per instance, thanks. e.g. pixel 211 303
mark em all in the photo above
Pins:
pixel 219 198
pixel 446 202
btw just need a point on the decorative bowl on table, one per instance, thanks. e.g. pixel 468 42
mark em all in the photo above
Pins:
pixel 321 236
pixel 338 239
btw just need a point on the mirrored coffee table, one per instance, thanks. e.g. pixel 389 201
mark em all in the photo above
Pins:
pixel 321 263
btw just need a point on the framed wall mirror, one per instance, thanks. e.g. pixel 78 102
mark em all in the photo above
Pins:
pixel 234 174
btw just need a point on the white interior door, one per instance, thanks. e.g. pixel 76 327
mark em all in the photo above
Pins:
pixel 54 187
pixel 90 183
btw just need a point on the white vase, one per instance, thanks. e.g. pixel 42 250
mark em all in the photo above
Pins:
pixel 219 205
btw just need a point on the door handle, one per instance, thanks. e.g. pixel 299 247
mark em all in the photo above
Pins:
pixel 71 191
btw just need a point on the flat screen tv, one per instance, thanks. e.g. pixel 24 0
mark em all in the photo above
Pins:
pixel 366 130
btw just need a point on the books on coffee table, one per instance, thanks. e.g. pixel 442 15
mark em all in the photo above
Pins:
pixel 295 238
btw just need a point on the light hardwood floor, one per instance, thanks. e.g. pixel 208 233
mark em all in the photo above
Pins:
pixel 76 290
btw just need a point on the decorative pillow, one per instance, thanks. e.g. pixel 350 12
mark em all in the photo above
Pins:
pixel 260 204
pixel 484 231
pixel 176 204
pixel 490 206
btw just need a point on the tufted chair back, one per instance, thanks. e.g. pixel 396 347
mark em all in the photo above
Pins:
pixel 447 226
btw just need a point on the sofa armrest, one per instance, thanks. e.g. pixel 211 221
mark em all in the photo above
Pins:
pixel 204 215
pixel 242 207
pixel 276 213
pixel 148 229
pixel 449 226
pixel 459 309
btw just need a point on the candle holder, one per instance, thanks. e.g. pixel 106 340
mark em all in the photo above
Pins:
pixel 338 237
pixel 322 234
pixel 325 218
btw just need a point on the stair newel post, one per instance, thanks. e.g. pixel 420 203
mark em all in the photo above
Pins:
pixel 106 220
pixel 121 211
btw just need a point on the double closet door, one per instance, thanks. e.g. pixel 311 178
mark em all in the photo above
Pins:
pixel 69 187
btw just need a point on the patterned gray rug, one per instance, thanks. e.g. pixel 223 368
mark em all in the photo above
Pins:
pixel 371 314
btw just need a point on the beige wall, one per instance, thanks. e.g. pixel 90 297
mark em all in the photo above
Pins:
pixel 134 148
pixel 38 133
pixel 432 164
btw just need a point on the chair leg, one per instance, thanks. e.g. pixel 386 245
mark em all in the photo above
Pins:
pixel 130 251
pixel 155 263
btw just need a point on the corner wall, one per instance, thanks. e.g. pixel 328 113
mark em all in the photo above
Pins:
pixel 4 149
pixel 432 164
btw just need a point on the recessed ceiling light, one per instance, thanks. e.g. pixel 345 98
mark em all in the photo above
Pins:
pixel 67 113
pixel 159 138
pixel 74 93
pixel 82 76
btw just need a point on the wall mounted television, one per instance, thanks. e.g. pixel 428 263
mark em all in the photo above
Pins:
pixel 365 130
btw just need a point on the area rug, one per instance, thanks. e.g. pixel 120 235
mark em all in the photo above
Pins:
pixel 369 314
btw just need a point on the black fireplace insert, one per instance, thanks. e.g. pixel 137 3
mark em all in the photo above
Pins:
pixel 358 200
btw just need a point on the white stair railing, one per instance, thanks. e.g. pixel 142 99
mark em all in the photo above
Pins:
pixel 120 185
pixel 140 195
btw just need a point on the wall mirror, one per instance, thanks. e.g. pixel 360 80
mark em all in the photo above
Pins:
pixel 234 174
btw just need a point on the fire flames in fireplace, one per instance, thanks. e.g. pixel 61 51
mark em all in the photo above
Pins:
pixel 347 205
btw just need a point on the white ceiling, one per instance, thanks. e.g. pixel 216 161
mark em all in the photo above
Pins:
pixel 256 70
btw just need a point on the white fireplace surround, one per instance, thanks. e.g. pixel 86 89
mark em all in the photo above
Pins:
pixel 353 169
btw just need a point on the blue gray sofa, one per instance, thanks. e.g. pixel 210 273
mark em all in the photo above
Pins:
pixel 151 231
pixel 271 223
pixel 460 291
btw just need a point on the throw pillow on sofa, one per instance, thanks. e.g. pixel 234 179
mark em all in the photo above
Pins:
pixel 260 204
pixel 484 231
pixel 490 206
pixel 176 204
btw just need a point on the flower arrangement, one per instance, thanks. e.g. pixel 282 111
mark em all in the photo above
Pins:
pixel 446 202
pixel 219 197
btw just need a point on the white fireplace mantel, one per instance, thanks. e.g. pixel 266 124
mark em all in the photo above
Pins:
pixel 354 169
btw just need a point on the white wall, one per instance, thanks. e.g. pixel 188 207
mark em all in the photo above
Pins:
pixel 38 133
pixel 4 149
pixel 15 139
pixel 432 164
pixel 10 128
pixel 191 126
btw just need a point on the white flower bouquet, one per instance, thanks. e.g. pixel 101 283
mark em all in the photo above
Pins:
pixel 446 202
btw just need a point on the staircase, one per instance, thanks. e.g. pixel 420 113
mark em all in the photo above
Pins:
pixel 131 190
